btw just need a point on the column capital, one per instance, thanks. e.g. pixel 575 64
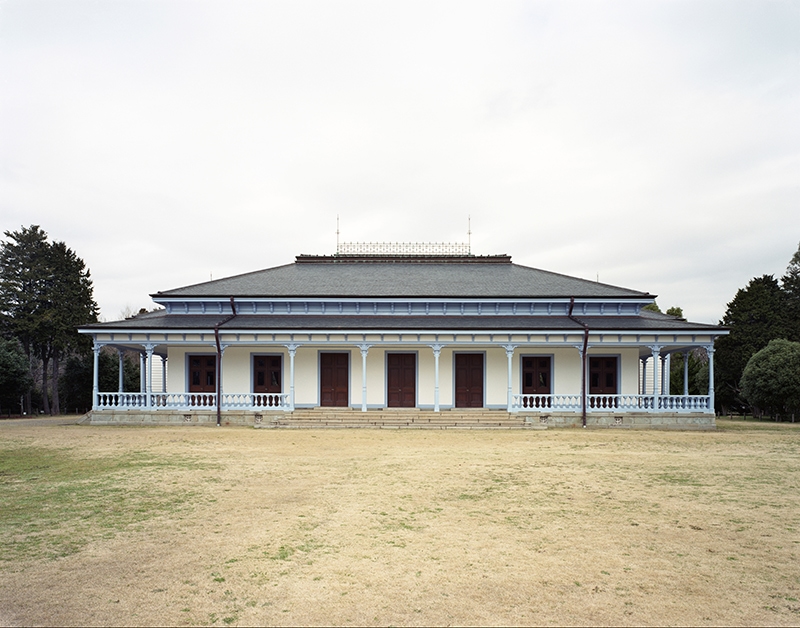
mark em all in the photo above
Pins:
pixel 437 348
pixel 509 349
pixel 292 347
pixel 656 349
pixel 709 350
pixel 364 348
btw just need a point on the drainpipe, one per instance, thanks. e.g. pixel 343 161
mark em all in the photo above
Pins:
pixel 219 361
pixel 583 359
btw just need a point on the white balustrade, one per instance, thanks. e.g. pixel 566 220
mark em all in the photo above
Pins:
pixel 121 401
pixel 620 402
pixel 650 403
pixel 546 402
pixel 183 401
pixel 281 401
pixel 606 403
pixel 250 401
pixel 193 401
pixel 685 403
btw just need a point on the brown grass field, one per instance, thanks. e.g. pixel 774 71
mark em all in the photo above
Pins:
pixel 236 526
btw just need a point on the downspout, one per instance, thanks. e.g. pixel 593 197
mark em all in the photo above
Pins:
pixel 584 397
pixel 219 361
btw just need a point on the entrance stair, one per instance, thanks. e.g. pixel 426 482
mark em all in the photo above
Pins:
pixel 406 418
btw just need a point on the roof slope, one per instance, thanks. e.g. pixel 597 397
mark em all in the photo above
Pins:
pixel 403 280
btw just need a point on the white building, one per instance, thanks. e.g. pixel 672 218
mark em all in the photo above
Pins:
pixel 430 331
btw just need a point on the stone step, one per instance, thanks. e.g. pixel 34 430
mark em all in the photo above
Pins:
pixel 397 419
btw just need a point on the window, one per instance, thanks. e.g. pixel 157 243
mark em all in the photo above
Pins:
pixel 203 373
pixel 267 373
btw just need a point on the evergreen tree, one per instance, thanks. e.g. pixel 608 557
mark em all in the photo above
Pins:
pixel 675 311
pixel 45 293
pixel 756 315
pixel 67 302
pixel 791 286
pixel 15 378
pixel 771 380
pixel 22 275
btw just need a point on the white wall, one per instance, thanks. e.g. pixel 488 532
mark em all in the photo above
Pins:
pixel 237 371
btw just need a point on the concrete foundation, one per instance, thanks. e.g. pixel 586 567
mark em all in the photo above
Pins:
pixel 407 418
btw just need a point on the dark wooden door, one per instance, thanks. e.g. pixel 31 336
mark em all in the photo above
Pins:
pixel 203 373
pixel 333 379
pixel 469 380
pixel 536 376
pixel 401 380
pixel 603 376
pixel 267 374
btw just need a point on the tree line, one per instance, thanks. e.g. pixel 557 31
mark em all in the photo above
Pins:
pixel 757 366
pixel 46 292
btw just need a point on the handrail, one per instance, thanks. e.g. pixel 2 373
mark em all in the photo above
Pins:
pixel 616 403
pixel 193 401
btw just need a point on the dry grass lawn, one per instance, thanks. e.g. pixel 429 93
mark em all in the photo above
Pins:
pixel 235 526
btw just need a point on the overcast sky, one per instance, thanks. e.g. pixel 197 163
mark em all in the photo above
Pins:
pixel 655 145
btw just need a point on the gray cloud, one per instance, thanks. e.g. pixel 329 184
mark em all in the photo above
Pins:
pixel 652 144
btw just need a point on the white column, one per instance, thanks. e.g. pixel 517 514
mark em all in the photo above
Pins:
pixel 510 355
pixel 437 349
pixel 142 373
pixel 710 353
pixel 685 373
pixel 149 382
pixel 584 379
pixel 292 350
pixel 665 368
pixel 644 376
pixel 656 350
pixel 364 350
pixel 121 371
pixel 163 373
pixel 96 376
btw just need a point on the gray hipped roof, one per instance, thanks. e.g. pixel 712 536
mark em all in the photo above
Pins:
pixel 400 278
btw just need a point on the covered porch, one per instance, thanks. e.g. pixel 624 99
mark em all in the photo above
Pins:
pixel 635 380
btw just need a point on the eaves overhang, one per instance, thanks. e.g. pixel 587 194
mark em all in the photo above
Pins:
pixel 431 324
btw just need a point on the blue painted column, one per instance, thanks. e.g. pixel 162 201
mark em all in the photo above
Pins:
pixel 656 350
pixel 163 373
pixel 510 355
pixel 364 351
pixel 121 371
pixel 710 353
pixel 148 402
pixel 292 350
pixel 685 373
pixel 437 349
pixel 96 376
pixel 643 390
